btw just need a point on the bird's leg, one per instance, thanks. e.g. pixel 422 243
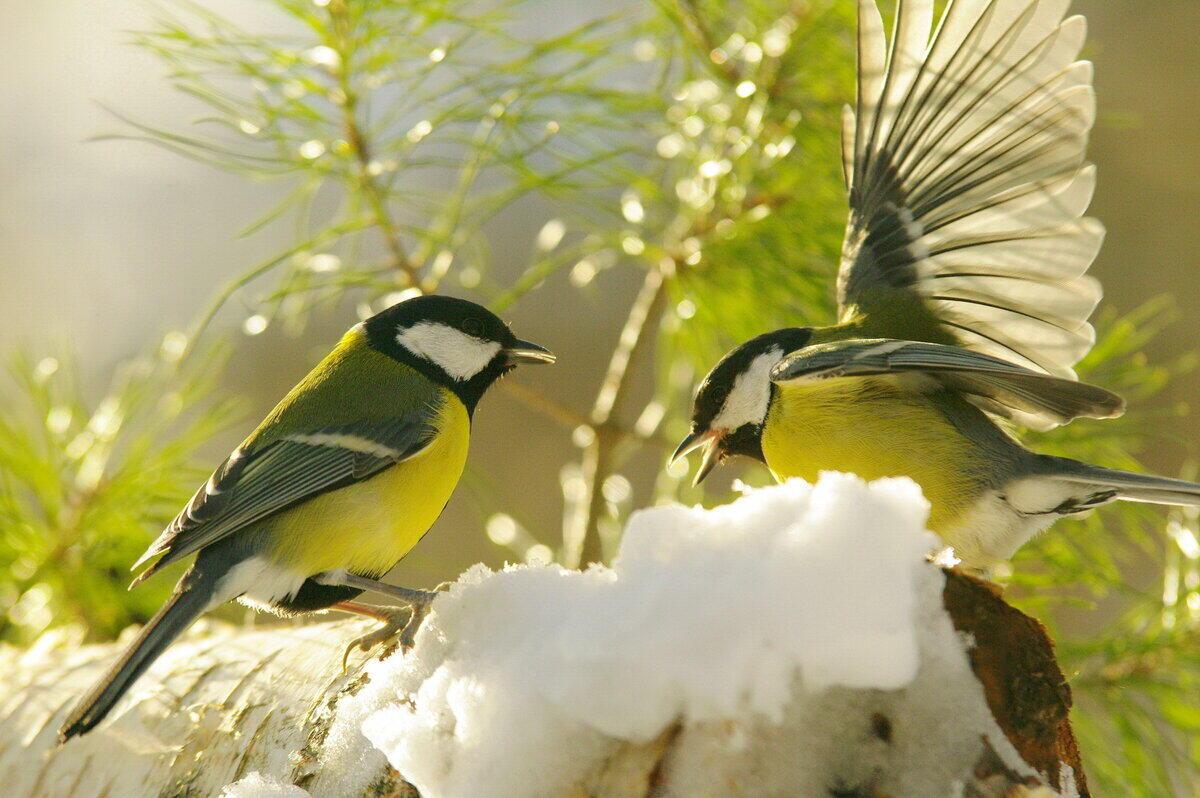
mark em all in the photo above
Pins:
pixel 378 612
pixel 406 620
pixel 404 594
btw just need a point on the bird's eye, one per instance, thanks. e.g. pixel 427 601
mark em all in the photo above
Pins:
pixel 473 327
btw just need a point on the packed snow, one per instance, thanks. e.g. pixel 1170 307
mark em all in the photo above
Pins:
pixel 798 615
pixel 257 785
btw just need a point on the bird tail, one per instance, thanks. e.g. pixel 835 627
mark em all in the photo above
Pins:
pixel 1133 487
pixel 176 615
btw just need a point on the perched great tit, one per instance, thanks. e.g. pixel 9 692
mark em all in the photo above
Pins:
pixel 336 485
pixel 963 294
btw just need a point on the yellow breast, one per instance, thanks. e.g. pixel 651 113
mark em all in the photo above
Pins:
pixel 873 429
pixel 369 526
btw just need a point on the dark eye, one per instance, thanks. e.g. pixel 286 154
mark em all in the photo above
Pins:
pixel 473 327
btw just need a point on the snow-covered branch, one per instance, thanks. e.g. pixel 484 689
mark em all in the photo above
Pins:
pixel 795 642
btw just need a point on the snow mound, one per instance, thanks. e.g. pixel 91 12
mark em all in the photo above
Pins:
pixel 806 616
pixel 256 785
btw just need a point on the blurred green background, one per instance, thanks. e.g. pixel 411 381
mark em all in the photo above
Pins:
pixel 110 250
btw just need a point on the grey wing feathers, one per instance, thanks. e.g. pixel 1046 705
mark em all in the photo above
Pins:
pixel 964 160
pixel 997 386
pixel 1131 487
pixel 253 485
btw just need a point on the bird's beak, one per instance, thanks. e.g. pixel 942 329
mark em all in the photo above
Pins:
pixel 710 442
pixel 521 352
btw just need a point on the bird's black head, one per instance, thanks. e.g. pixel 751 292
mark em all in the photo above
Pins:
pixel 732 402
pixel 456 343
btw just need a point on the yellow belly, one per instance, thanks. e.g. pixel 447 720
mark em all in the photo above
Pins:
pixel 369 526
pixel 872 429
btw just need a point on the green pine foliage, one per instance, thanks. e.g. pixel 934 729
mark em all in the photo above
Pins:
pixel 85 484
pixel 1136 675
pixel 402 129
pixel 691 142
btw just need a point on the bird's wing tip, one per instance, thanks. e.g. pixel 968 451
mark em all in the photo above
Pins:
pixel 142 577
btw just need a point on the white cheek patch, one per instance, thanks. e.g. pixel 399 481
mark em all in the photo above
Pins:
pixel 751 393
pixel 460 355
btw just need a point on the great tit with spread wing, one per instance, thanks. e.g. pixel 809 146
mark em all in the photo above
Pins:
pixel 338 483
pixel 963 290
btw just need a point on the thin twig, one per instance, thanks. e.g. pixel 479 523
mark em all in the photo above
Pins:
pixel 581 537
pixel 695 26
pixel 582 544
pixel 361 148
pixel 540 403
pixel 571 418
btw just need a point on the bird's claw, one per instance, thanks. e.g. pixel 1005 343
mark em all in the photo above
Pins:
pixel 395 619
pixel 404 621
pixel 419 611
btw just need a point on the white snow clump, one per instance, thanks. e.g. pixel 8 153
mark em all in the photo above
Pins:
pixel 256 785
pixel 798 615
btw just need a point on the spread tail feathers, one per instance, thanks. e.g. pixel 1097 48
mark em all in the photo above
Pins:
pixel 1135 487
pixel 175 616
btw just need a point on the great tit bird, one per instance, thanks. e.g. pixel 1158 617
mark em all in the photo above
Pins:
pixel 336 485
pixel 963 294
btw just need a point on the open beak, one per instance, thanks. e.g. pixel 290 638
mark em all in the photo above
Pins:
pixel 522 352
pixel 710 442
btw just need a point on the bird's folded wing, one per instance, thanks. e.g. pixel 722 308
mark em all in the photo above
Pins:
pixel 256 483
pixel 997 386
pixel 964 160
